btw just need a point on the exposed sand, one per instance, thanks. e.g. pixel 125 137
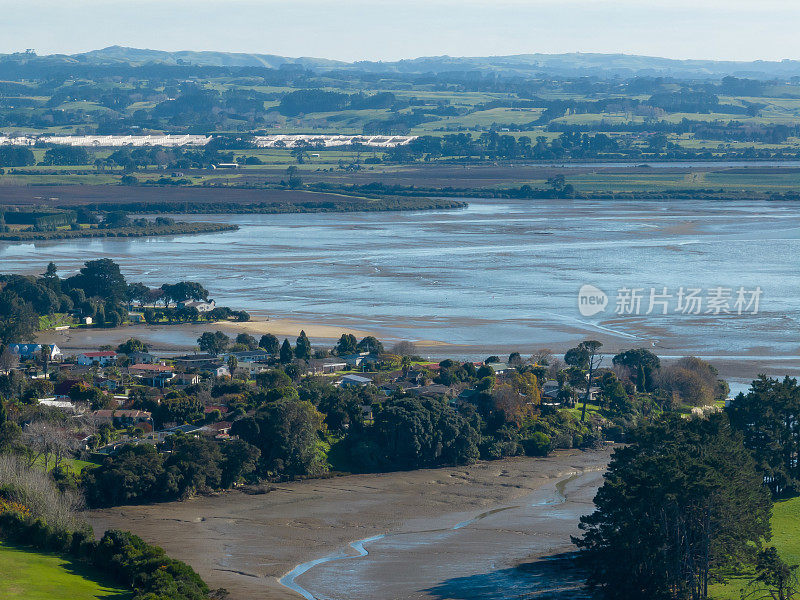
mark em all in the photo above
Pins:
pixel 182 337
pixel 288 327
pixel 246 543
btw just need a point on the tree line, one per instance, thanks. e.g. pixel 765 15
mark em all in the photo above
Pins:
pixel 688 502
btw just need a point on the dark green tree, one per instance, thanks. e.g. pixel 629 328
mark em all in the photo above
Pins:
pixel 347 344
pixel 233 364
pixel 101 278
pixel 247 340
pixel 370 344
pixel 269 343
pixel 641 364
pixel 774 579
pixel 286 354
pixel 132 345
pixel 302 349
pixel 213 343
pixel 287 433
pixel 680 504
pixel 768 417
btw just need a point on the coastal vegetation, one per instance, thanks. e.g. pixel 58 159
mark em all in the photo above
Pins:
pixel 40 524
pixel 99 295
pixel 345 203
pixel 688 504
pixel 18 225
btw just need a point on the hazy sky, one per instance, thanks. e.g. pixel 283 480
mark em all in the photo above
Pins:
pixel 393 29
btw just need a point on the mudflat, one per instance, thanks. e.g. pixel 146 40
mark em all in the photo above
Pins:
pixel 443 527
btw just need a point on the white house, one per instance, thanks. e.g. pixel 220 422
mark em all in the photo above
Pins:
pixel 199 305
pixel 34 351
pixel 326 365
pixel 101 357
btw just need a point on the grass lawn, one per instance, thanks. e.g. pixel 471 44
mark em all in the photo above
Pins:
pixel 29 575
pixel 576 412
pixel 75 465
pixel 785 537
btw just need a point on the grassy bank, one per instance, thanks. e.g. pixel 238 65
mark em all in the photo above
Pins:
pixel 29 575
pixel 320 204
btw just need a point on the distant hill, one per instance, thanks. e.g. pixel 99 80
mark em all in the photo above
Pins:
pixel 599 65
pixel 521 65
pixel 121 54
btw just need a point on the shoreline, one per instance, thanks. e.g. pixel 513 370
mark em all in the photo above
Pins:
pixel 181 338
pixel 182 228
pixel 246 543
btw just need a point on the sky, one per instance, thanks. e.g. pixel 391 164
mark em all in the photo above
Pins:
pixel 394 29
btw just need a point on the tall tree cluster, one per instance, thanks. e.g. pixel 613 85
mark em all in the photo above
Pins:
pixel 682 502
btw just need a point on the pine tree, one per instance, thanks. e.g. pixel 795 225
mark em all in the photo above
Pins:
pixel 286 352
pixel 303 348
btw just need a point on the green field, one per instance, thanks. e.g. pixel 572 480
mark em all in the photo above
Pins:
pixel 74 465
pixel 785 537
pixel 29 575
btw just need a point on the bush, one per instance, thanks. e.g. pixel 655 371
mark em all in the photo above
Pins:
pixel 537 445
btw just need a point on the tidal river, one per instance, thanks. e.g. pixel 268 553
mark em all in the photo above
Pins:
pixel 499 275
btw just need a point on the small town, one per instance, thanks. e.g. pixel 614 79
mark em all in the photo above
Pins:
pixel 105 391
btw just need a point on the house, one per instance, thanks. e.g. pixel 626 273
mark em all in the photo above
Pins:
pixel 249 355
pixel 200 305
pixel 217 430
pixel 146 369
pixel 499 368
pixel 152 375
pixel 416 376
pixel 135 317
pixel 221 371
pixel 185 379
pixel 102 357
pixel 34 351
pixel 212 407
pixel 354 381
pixel 251 368
pixel 186 428
pixel 104 383
pixel 322 366
pixel 467 396
pixel 366 412
pixel 354 360
pixel 549 386
pixel 123 418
